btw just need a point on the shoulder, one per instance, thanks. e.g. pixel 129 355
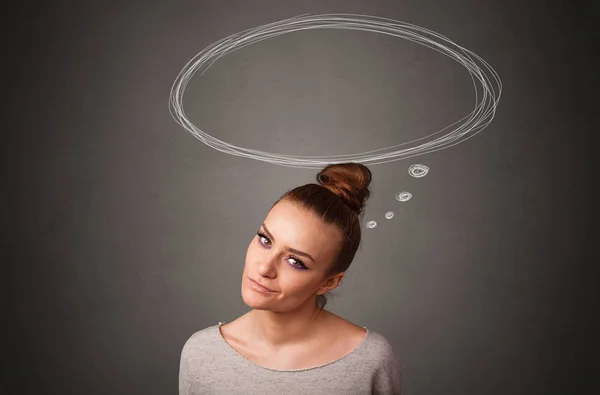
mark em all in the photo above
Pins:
pixel 374 348
pixel 379 345
pixel 387 371
pixel 378 349
pixel 336 326
pixel 197 359
pixel 201 339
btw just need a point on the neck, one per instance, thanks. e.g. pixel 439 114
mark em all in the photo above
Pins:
pixel 276 330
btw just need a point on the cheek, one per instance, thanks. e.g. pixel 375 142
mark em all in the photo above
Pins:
pixel 291 281
pixel 253 253
pixel 254 256
pixel 297 283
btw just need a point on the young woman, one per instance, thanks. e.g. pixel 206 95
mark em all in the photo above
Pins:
pixel 288 343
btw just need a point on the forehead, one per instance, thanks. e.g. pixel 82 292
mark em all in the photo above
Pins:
pixel 300 228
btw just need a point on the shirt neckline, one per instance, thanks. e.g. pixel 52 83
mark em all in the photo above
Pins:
pixel 228 346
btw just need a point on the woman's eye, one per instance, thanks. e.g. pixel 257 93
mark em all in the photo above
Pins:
pixel 263 240
pixel 298 264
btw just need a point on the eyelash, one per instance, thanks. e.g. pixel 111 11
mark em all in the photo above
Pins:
pixel 262 235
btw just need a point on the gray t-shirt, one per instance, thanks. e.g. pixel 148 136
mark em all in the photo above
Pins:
pixel 209 365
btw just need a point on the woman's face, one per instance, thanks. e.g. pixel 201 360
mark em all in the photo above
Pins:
pixel 290 255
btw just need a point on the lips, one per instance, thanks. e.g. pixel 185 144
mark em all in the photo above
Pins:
pixel 260 285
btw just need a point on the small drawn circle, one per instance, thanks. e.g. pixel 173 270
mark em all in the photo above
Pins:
pixel 389 215
pixel 371 224
pixel 418 170
pixel 403 196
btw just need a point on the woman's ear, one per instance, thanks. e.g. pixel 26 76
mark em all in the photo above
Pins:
pixel 330 284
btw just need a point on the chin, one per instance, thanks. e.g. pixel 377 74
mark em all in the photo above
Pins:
pixel 257 304
pixel 254 300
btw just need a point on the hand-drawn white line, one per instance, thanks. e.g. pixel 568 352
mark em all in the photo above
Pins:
pixel 403 196
pixel 389 215
pixel 418 170
pixel 481 72
pixel 371 224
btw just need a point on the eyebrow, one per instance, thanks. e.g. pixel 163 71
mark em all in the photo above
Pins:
pixel 295 251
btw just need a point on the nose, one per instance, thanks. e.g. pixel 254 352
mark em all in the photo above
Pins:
pixel 267 266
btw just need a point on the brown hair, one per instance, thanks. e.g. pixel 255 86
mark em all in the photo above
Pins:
pixel 339 199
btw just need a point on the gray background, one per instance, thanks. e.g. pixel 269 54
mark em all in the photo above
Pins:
pixel 126 234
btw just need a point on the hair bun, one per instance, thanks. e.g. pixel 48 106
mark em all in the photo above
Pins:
pixel 349 181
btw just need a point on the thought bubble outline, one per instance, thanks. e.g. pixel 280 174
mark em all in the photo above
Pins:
pixel 471 125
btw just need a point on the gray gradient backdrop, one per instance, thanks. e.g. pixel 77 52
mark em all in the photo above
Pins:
pixel 126 234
